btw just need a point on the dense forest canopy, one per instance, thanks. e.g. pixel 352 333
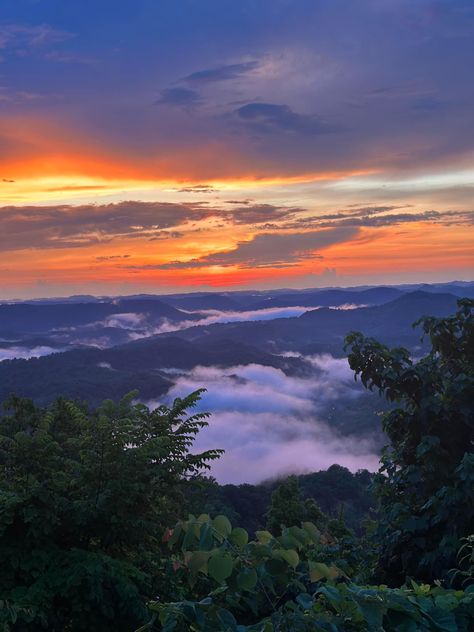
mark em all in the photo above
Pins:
pixel 89 497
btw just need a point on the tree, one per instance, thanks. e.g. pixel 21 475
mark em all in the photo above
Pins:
pixel 287 507
pixel 426 481
pixel 279 583
pixel 84 500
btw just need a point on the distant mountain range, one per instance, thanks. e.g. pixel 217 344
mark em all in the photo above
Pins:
pixel 323 330
pixel 131 356
pixel 61 324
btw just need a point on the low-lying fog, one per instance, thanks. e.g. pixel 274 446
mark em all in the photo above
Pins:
pixel 129 326
pixel 270 424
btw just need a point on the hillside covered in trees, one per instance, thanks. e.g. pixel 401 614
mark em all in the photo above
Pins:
pixel 109 522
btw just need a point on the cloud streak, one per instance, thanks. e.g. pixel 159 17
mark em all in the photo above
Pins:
pixel 179 97
pixel 83 225
pixel 227 72
pixel 272 250
pixel 75 226
pixel 14 352
pixel 266 118
pixel 213 316
pixel 25 37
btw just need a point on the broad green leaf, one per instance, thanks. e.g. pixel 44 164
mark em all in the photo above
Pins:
pixel 189 538
pixel 299 534
pixel 264 537
pixel 222 525
pixel 239 537
pixel 444 621
pixel 220 566
pixel 312 531
pixel 332 593
pixel 227 620
pixel 203 518
pixel 247 579
pixel 289 542
pixel 318 570
pixel 290 556
pixel 198 562
pixel 373 613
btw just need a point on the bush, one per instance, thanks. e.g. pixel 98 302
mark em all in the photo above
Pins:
pixel 84 499
pixel 426 482
pixel 278 584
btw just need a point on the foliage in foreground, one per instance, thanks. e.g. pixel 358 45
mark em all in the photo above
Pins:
pixel 425 488
pixel 426 482
pixel 336 491
pixel 84 499
pixel 279 584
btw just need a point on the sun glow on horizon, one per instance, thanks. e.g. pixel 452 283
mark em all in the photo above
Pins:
pixel 164 162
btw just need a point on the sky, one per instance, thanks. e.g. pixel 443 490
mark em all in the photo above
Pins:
pixel 183 145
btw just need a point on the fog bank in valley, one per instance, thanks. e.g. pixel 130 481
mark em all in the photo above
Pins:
pixel 271 424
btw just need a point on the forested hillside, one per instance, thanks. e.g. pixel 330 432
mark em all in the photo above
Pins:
pixel 108 521
pixel 300 347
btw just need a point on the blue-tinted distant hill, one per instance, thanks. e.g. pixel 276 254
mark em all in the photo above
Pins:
pixel 323 330
pixel 144 364
pixel 42 318
pixel 196 302
pixel 328 298
pixel 107 321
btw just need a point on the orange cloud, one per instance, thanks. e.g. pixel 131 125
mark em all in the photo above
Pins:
pixel 373 253
pixel 414 247
pixel 41 161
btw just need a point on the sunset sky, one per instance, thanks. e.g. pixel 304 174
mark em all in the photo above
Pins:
pixel 184 145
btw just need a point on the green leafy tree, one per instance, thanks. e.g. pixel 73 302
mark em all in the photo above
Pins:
pixel 426 481
pixel 84 500
pixel 287 507
pixel 278 584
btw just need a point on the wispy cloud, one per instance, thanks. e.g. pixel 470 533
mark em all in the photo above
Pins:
pixel 179 97
pixel 374 217
pixel 226 72
pixel 255 214
pixel 272 249
pixel 31 35
pixel 266 118
pixel 83 225
pixel 18 351
pixel 213 316
pixel 278 235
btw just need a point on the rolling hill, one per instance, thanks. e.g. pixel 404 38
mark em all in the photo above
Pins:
pixel 144 364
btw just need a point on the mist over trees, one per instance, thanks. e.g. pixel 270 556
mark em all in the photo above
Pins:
pixel 108 520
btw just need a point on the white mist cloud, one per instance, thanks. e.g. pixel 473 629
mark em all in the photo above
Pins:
pixel 251 388
pixel 263 446
pixel 212 316
pixel 105 365
pixel 129 320
pixel 11 353
pixel 137 326
pixel 271 424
